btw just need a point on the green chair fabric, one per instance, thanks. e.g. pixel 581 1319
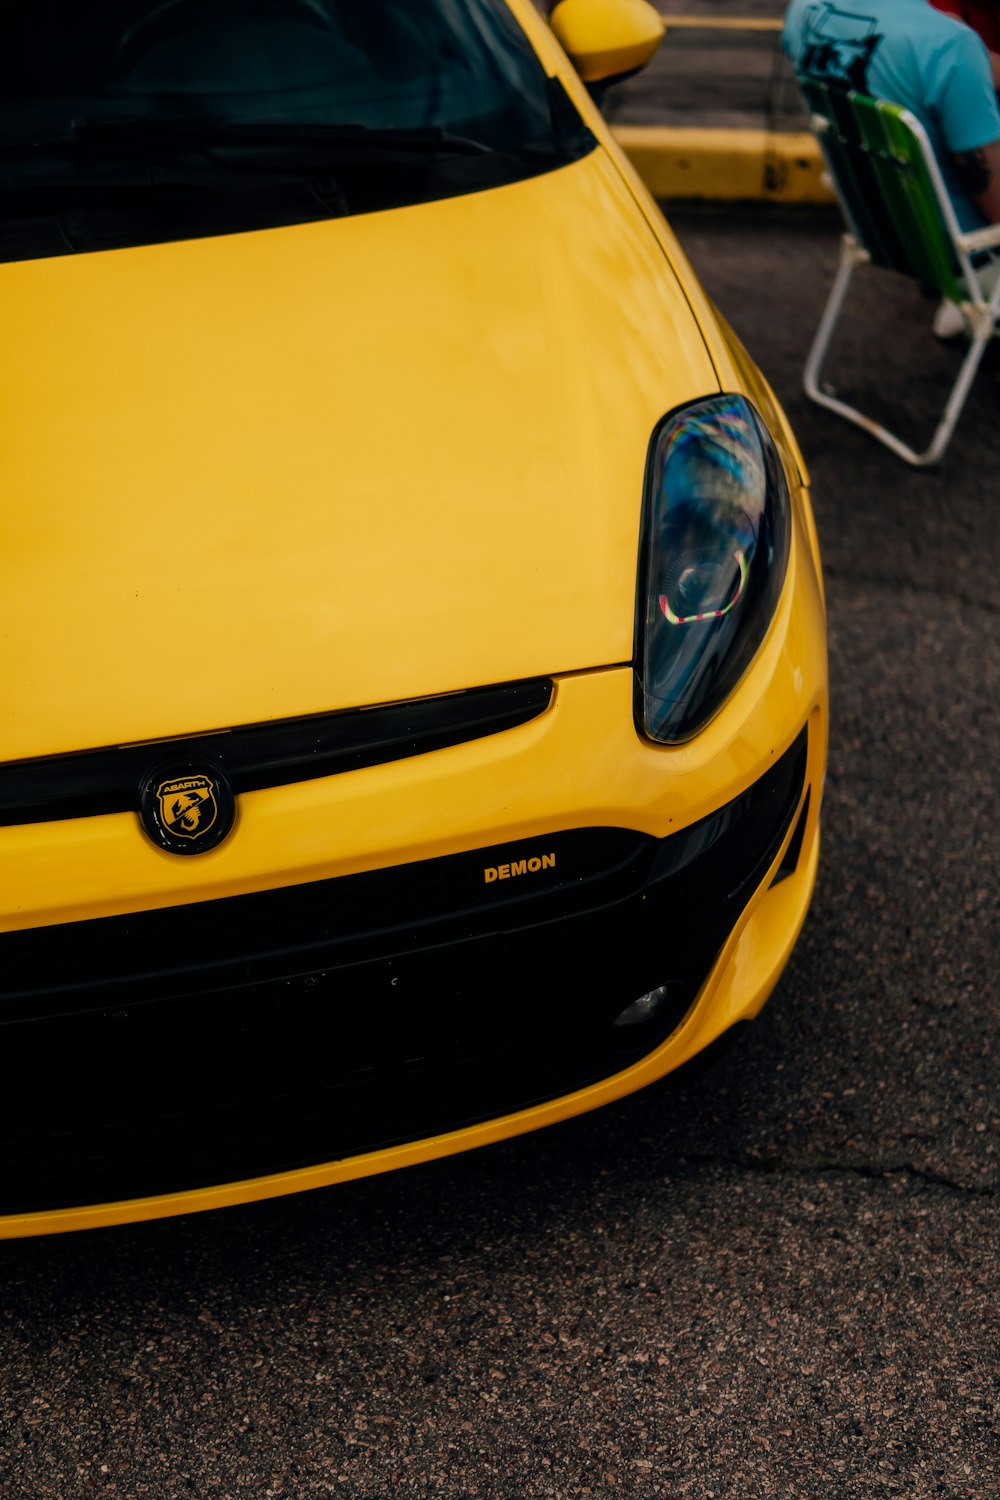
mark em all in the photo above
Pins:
pixel 901 219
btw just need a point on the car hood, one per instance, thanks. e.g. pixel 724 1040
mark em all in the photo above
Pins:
pixel 351 462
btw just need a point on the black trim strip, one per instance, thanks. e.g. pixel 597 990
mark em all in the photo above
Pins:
pixel 91 782
pixel 328 927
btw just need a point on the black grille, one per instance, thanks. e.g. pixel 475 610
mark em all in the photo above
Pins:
pixel 262 755
pixel 246 942
pixel 229 1039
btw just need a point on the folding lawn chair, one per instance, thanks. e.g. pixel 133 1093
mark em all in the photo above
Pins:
pixel 900 217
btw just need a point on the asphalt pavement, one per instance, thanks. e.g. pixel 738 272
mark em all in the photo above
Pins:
pixel 718 77
pixel 776 1279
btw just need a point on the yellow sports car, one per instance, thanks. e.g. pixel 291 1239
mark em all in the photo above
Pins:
pixel 414 680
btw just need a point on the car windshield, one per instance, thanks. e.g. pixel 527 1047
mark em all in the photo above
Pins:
pixel 126 122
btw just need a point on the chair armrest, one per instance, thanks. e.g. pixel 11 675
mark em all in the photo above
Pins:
pixel 980 239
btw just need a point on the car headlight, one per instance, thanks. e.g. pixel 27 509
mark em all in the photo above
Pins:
pixel 715 549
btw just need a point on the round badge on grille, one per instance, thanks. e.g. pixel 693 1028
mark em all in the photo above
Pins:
pixel 187 809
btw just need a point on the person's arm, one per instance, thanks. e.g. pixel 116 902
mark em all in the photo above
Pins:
pixel 962 96
pixel 980 174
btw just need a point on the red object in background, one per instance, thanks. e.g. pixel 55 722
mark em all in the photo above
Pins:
pixel 981 15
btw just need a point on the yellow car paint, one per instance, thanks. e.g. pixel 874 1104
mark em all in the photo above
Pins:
pixel 238 492
pixel 607 38
pixel 188 464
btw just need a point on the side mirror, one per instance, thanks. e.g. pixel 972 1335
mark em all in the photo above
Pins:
pixel 607 39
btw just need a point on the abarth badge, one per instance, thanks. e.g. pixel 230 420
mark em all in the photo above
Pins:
pixel 187 809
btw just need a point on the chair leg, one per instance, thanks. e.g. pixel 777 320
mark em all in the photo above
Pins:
pixel 850 257
pixel 956 401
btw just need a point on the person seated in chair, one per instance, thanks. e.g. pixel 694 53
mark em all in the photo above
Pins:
pixel 909 53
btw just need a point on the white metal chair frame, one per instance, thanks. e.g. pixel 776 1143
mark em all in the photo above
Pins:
pixel 980 311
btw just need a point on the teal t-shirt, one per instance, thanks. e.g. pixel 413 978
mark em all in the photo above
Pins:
pixel 907 52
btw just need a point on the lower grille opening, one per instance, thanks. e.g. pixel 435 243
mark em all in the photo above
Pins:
pixel 204 1130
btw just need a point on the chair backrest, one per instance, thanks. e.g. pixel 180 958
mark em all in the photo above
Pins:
pixel 884 175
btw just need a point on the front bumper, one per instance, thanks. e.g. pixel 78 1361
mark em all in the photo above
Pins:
pixel 340 989
pixel 273 1032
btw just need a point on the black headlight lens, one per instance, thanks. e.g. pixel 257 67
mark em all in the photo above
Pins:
pixel 715 550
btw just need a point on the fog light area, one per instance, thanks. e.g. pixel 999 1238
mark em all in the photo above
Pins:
pixel 644 1009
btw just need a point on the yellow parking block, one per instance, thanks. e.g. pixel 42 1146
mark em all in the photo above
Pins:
pixel 721 23
pixel 693 162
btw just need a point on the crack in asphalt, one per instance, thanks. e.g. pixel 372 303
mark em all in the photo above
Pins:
pixel 778 1166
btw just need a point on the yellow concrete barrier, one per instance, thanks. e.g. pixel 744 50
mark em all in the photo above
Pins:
pixel 721 23
pixel 692 162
